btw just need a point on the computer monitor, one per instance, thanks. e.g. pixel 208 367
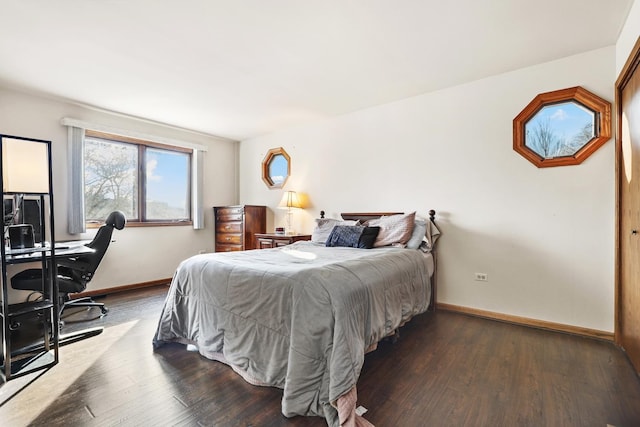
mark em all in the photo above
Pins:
pixel 21 236
pixel 8 211
pixel 23 210
pixel 30 214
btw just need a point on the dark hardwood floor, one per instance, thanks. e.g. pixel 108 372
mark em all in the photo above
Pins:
pixel 446 369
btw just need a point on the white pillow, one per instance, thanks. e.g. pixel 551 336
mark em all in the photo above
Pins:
pixel 395 230
pixel 323 228
pixel 418 234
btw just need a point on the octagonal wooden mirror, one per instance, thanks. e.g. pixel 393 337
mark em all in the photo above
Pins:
pixel 276 168
pixel 562 127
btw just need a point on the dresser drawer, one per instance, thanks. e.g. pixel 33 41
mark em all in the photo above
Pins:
pixel 233 211
pixel 228 227
pixel 227 238
pixel 228 248
pixel 230 210
pixel 229 217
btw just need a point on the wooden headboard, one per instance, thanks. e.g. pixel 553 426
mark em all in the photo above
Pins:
pixel 365 216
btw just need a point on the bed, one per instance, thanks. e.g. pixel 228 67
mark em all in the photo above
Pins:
pixel 302 317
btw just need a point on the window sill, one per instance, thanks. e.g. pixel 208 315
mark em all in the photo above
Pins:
pixel 91 225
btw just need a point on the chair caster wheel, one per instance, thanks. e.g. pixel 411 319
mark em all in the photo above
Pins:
pixel 104 310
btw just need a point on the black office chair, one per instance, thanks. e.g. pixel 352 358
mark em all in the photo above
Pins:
pixel 75 273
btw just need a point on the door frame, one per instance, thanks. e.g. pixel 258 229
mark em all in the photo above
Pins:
pixel 632 64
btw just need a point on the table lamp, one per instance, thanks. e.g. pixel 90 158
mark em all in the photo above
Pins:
pixel 290 200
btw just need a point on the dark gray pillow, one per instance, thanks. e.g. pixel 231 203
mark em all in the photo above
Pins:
pixel 353 236
pixel 323 228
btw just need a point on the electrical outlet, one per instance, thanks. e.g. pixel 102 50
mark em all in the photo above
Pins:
pixel 482 277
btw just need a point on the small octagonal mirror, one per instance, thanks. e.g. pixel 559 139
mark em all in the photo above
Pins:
pixel 562 128
pixel 276 168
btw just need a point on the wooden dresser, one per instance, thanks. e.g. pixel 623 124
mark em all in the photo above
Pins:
pixel 236 226
pixel 270 240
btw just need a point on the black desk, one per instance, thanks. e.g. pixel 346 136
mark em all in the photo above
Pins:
pixel 62 250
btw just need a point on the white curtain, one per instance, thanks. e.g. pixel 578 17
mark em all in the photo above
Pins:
pixel 76 180
pixel 196 189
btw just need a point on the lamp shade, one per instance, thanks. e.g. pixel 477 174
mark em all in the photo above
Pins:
pixel 290 199
pixel 25 166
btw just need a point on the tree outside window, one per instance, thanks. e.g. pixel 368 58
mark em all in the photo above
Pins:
pixel 146 183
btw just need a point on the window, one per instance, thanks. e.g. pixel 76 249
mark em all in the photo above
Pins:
pixel 562 127
pixel 148 182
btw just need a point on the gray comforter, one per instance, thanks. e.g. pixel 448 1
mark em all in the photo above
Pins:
pixel 299 318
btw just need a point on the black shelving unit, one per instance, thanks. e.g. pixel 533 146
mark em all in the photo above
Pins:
pixel 30 332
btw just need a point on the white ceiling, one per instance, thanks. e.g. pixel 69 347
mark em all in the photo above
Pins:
pixel 242 68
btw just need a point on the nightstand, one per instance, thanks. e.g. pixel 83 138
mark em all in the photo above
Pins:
pixel 271 240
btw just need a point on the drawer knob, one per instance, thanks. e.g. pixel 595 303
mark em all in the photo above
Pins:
pixel 226 227
pixel 228 238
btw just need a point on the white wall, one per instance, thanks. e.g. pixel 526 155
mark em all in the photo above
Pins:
pixel 545 237
pixel 139 254
pixel 628 36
